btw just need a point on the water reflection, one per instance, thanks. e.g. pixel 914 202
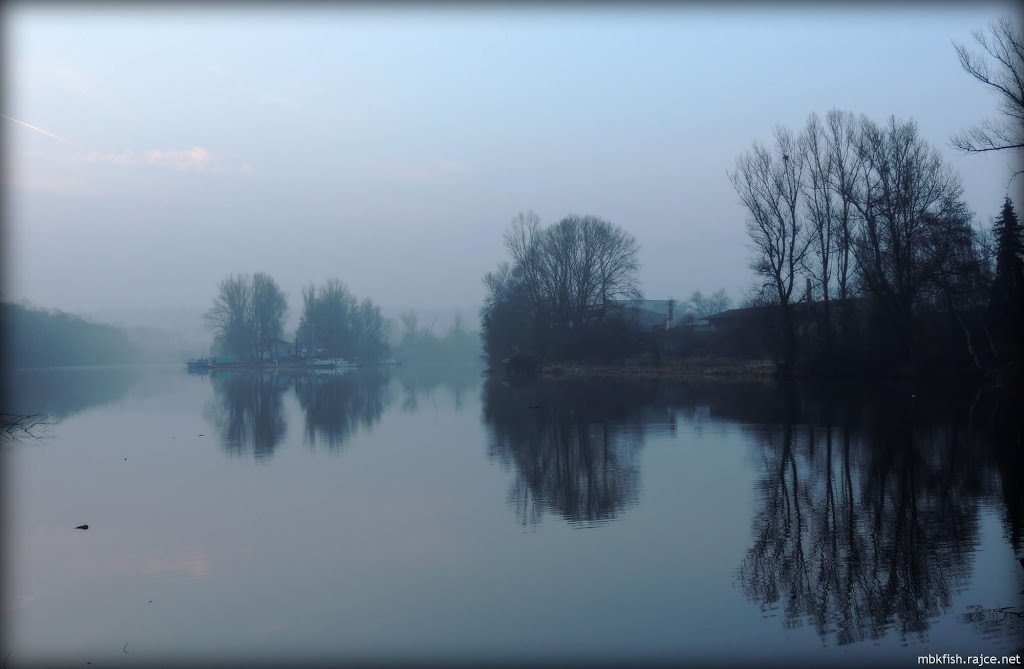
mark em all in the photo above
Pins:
pixel 867 503
pixel 418 382
pixel 867 513
pixel 572 445
pixel 249 407
pixel 248 412
pixel 62 392
pixel 336 405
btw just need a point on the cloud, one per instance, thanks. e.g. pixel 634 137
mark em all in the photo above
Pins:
pixel 196 158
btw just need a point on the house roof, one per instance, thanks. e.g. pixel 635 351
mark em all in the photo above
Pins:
pixel 663 307
pixel 748 312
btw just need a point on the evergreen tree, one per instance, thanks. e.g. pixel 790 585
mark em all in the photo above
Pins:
pixel 1006 305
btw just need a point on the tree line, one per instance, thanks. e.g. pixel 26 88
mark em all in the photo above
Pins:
pixel 249 313
pixel 866 254
pixel 38 337
pixel 853 208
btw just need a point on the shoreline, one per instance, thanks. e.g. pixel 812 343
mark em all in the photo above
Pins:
pixel 752 369
pixel 674 369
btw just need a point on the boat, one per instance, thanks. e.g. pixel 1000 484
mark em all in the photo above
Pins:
pixel 317 363
pixel 330 363
pixel 196 364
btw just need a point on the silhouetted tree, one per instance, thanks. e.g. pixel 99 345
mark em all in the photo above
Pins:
pixel 335 322
pixel 1006 304
pixel 229 316
pixel 768 181
pixel 247 314
pixel 1001 69
pixel 562 284
pixel 268 306
pixel 508 318
pixel 911 218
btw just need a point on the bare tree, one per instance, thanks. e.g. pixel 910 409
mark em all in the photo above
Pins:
pixel 335 321
pixel 573 269
pixel 822 206
pixel 1001 68
pixel 522 240
pixel 842 146
pixel 268 309
pixel 229 316
pixel 559 279
pixel 768 182
pixel 910 207
pixel 709 305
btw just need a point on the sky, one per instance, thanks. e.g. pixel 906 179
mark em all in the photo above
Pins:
pixel 390 147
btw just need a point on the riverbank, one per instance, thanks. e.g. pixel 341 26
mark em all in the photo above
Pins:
pixel 727 367
pixel 675 368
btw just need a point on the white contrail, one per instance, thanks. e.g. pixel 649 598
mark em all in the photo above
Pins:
pixel 27 125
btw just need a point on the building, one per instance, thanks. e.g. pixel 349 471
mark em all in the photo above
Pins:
pixel 652 314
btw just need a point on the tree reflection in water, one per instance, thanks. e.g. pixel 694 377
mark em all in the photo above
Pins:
pixel 572 445
pixel 248 412
pixel 418 381
pixel 868 510
pixel 336 405
pixel 867 502
pixel 60 392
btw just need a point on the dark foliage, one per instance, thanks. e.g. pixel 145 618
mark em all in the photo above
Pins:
pixel 558 297
pixel 36 337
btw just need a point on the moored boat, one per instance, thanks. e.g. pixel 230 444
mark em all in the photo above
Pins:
pixel 196 364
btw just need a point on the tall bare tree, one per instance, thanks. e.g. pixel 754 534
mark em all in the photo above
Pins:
pixel 1000 66
pixel 841 139
pixel 768 181
pixel 909 202
pixel 523 242
pixel 823 205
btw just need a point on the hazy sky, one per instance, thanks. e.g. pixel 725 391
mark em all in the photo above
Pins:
pixel 390 148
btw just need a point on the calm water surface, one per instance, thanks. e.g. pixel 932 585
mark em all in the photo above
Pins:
pixel 420 513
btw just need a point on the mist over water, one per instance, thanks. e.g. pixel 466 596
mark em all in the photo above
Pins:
pixel 512 334
pixel 432 513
